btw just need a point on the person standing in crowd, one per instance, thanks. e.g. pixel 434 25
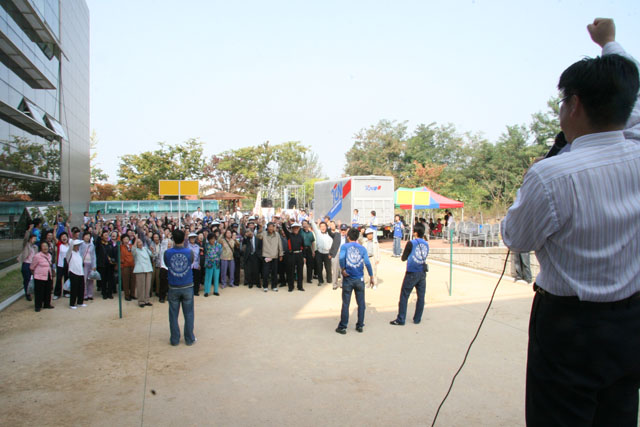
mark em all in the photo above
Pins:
pixel 155 246
pixel 76 275
pixel 294 248
pixel 227 261
pixel 580 212
pixel 198 215
pixel 29 249
pixel 127 264
pixel 355 220
pixel 195 266
pixel 271 255
pixel 164 273
pixel 415 253
pixel 373 251
pixel 373 224
pixel 105 261
pixel 61 264
pixel 88 253
pixel 237 256
pixel 42 270
pixel 323 245
pixel 143 270
pixel 353 259
pixel 252 250
pixel 178 261
pixel 309 256
pixel 212 252
pixel 339 239
pixel 36 230
pixel 398 229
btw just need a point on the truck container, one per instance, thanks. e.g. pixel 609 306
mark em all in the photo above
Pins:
pixel 338 198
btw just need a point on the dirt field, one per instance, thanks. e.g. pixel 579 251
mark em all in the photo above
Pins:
pixel 271 359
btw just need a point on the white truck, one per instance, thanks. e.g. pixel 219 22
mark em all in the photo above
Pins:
pixel 338 198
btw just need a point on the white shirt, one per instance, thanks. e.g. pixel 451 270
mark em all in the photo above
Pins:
pixel 62 252
pixel 197 215
pixel 323 240
pixel 75 264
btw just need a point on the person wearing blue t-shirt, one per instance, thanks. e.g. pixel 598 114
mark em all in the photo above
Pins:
pixel 398 228
pixel 178 261
pixel 353 259
pixel 415 253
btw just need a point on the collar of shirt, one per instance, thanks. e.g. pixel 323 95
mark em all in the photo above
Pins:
pixel 597 139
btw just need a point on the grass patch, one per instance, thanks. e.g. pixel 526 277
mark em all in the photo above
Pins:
pixel 10 284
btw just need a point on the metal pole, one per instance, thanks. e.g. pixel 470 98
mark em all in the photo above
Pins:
pixel 450 260
pixel 119 281
pixel 413 202
pixel 179 207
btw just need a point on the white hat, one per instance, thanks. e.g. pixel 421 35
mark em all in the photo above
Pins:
pixel 215 223
pixel 369 231
pixel 76 242
pixel 252 217
pixel 295 224
pixel 192 235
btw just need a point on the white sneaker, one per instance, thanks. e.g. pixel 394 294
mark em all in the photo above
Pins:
pixel 375 287
pixel 55 297
pixel 67 296
pixel 265 289
pixel 82 305
pixel 73 307
pixel 275 289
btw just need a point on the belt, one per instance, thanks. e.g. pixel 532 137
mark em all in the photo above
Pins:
pixel 190 285
pixel 296 252
pixel 575 300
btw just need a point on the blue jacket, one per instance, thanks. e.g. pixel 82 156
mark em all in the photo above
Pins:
pixel 178 262
pixel 417 257
pixel 353 258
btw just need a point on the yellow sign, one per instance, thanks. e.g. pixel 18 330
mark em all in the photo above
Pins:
pixel 406 197
pixel 169 187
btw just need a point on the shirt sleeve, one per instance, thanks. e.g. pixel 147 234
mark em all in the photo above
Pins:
pixel 532 217
pixel 632 128
pixel 343 256
pixel 407 251
pixel 367 263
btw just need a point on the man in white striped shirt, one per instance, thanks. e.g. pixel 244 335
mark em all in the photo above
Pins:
pixel 580 213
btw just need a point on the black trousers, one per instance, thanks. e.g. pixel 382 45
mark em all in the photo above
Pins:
pixel 270 270
pixel 164 283
pixel 251 270
pixel 322 260
pixel 196 280
pixel 236 271
pixel 62 274
pixel 77 289
pixel 107 284
pixel 582 367
pixel 310 263
pixel 282 270
pixel 294 265
pixel 42 293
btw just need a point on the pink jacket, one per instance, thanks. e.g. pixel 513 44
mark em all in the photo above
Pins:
pixel 41 266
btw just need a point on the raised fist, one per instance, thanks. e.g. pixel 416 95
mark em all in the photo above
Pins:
pixel 602 31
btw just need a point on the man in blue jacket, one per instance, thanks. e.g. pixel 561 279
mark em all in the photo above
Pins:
pixel 178 261
pixel 415 253
pixel 353 259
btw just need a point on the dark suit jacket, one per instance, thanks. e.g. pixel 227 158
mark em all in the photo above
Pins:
pixel 246 244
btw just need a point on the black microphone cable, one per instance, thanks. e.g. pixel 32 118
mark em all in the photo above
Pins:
pixel 484 316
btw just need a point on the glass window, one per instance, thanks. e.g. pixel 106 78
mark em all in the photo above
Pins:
pixel 113 208
pixel 210 205
pixel 131 207
pixel 95 206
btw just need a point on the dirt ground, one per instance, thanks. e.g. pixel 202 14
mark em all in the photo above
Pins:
pixel 271 359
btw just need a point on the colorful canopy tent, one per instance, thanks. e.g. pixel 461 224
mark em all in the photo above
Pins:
pixel 422 198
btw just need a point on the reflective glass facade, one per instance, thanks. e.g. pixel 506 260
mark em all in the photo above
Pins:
pixel 44 112
pixel 116 207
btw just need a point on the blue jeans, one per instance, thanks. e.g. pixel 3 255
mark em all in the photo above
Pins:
pixel 412 280
pixel 397 250
pixel 176 297
pixel 227 266
pixel 351 284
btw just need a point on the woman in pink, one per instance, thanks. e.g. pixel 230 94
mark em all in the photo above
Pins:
pixel 29 249
pixel 42 277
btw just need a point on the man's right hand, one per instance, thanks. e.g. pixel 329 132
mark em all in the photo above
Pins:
pixel 602 31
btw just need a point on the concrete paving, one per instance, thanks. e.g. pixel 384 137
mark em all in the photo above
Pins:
pixel 271 359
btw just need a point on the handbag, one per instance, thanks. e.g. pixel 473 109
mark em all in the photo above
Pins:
pixel 30 285
pixel 67 285
pixel 94 275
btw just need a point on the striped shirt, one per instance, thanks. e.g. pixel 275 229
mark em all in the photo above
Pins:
pixel 580 212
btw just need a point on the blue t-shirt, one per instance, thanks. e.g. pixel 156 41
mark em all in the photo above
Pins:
pixel 178 262
pixel 353 258
pixel 397 229
pixel 418 256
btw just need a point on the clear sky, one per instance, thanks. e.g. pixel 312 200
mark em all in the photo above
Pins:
pixel 238 73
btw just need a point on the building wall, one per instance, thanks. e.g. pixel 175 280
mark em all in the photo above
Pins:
pixel 74 102
pixel 37 170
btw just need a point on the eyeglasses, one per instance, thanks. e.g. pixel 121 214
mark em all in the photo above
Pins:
pixel 564 99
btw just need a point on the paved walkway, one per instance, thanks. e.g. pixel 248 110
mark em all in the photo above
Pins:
pixel 271 359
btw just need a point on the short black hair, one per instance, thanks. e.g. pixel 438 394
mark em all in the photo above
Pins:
pixel 85 233
pixel 353 234
pixel 178 236
pixel 419 230
pixel 373 213
pixel 606 85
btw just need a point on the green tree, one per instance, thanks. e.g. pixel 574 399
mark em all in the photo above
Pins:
pixel 139 173
pixel 546 125
pixel 378 150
